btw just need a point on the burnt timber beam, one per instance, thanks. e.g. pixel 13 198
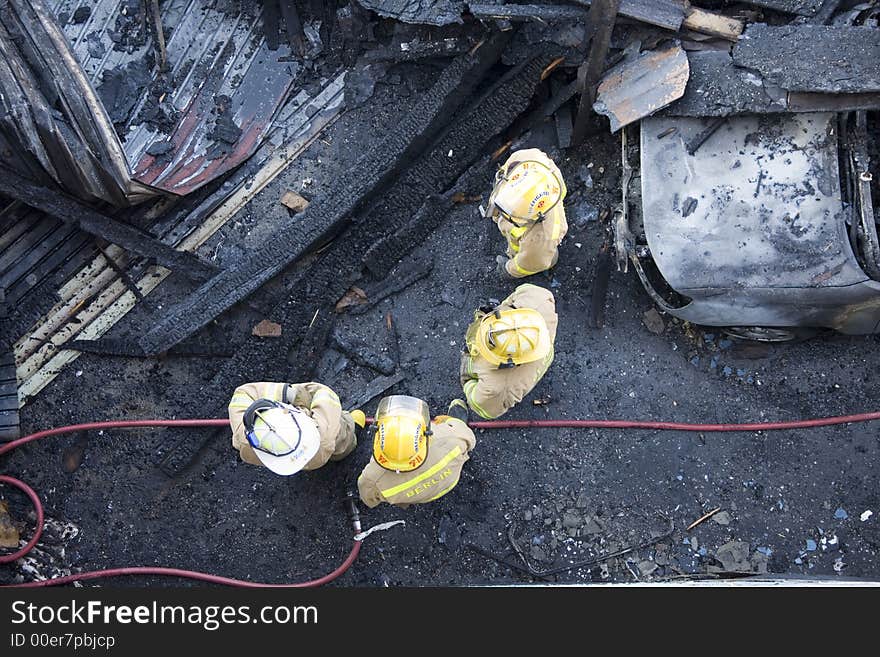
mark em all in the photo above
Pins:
pixel 603 14
pixel 308 315
pixel 329 212
pixel 71 211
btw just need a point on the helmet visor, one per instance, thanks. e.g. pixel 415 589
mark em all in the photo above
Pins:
pixel 403 405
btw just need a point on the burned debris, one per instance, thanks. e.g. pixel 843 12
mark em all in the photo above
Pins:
pixel 163 195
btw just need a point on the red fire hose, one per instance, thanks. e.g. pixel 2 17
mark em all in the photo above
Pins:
pixel 492 424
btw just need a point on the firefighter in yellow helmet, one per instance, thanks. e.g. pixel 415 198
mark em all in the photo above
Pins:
pixel 415 460
pixel 508 348
pixel 289 427
pixel 526 204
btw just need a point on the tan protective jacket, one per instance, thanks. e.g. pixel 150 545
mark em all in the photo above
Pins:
pixel 531 248
pixel 449 446
pixel 335 426
pixel 492 391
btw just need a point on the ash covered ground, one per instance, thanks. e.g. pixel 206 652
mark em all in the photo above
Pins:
pixel 791 502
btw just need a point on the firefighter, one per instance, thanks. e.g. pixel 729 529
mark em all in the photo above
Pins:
pixel 289 427
pixel 526 204
pixel 508 348
pixel 415 460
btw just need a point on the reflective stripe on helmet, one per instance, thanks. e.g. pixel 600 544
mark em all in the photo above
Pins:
pixel 434 469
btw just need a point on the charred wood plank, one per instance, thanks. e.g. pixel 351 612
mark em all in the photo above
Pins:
pixel 399 279
pixel 272 23
pixel 419 12
pixel 85 218
pixel 375 388
pixel 800 7
pixel 9 419
pixel 527 12
pixel 668 14
pixel 603 14
pixel 361 353
pixel 293 25
pixel 328 213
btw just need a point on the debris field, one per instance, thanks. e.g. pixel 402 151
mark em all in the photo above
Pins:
pixel 195 194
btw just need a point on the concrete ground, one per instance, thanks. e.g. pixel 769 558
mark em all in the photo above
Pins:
pixel 795 502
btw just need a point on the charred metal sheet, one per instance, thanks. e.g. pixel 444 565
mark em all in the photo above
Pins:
pixel 425 12
pixel 9 419
pixel 718 88
pixel 212 105
pixel 637 89
pixel 327 213
pixel 83 217
pixel 813 58
pixel 754 230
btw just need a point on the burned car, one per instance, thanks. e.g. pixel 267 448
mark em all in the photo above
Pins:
pixel 765 229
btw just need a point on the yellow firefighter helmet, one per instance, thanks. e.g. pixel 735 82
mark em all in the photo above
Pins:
pixel 512 337
pixel 526 191
pixel 402 429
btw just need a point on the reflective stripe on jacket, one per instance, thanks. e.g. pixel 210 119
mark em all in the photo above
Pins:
pixel 449 446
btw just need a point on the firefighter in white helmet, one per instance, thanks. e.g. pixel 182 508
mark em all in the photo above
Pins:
pixel 415 459
pixel 289 427
pixel 526 204
pixel 508 348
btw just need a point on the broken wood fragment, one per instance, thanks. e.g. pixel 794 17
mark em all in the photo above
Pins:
pixel 267 329
pixel 703 518
pixel 294 201
pixel 713 24
pixel 354 297
pixel 694 145
pixel 293 25
pixel 159 34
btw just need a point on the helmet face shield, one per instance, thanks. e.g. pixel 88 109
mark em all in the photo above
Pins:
pixel 402 427
pixel 403 405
